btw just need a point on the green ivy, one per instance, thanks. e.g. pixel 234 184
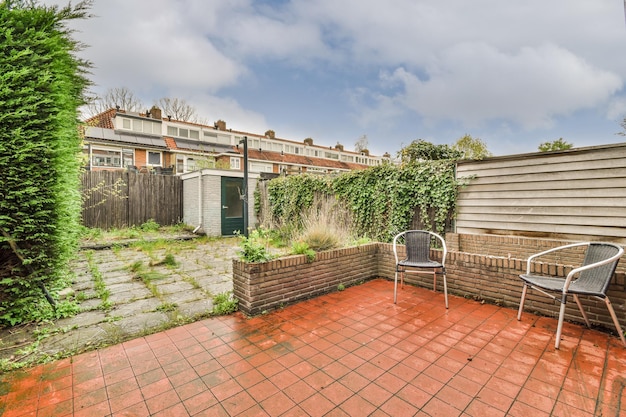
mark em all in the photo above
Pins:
pixel 42 85
pixel 382 199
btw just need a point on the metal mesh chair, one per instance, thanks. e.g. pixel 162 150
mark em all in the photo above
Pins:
pixel 593 279
pixel 418 244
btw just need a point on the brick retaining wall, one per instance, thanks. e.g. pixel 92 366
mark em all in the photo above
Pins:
pixel 264 286
pixel 494 279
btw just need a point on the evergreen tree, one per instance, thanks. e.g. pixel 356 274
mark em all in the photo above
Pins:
pixel 42 85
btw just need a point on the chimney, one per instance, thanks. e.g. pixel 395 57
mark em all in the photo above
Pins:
pixel 339 146
pixel 155 113
pixel 220 125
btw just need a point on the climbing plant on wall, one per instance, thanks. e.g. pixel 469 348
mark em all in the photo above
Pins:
pixel 382 199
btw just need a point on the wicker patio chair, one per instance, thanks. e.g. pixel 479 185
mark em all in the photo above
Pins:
pixel 591 279
pixel 418 244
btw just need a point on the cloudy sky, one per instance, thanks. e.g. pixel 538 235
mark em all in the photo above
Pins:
pixel 513 74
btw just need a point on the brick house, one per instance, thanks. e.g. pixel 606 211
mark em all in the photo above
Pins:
pixel 148 142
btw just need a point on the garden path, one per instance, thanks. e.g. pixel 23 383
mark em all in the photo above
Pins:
pixel 129 291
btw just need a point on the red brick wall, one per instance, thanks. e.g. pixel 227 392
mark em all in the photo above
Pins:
pixel 265 286
pixel 494 279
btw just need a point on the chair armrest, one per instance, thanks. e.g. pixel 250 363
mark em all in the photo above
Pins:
pixel 443 245
pixel 537 255
pixel 395 245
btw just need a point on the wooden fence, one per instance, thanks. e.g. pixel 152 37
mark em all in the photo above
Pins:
pixel 578 194
pixel 115 199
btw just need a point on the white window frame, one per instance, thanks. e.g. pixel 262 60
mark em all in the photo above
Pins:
pixel 235 163
pixel 148 163
pixel 118 153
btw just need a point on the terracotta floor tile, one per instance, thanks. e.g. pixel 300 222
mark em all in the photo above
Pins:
pixel 439 408
pixel 136 410
pixel 520 409
pixel 316 405
pixel 453 397
pixel 478 408
pixel 239 404
pixel 88 399
pixel 190 389
pixel 226 389
pixel 200 403
pixel 176 410
pixel 299 391
pixel 427 383
pixel 64 408
pixel 100 409
pixel 162 401
pixel 397 407
pixel 375 394
pixel 262 390
pixel 495 399
pixel 538 400
pixel 343 354
pixel 117 376
pixel 391 382
pixel 356 406
pixel 126 400
pixel 277 404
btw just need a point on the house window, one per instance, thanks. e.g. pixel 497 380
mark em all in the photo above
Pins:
pixel 183 133
pixel 172 131
pixel 194 134
pixel 235 163
pixel 154 158
pixel 125 123
pixel 111 158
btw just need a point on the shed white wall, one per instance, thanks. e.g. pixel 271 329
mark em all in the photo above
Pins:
pixel 576 194
pixel 202 204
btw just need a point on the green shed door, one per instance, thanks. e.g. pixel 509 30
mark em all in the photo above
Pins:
pixel 232 206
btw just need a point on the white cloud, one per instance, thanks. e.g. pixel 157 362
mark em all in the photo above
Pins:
pixel 475 83
pixel 149 44
pixel 454 64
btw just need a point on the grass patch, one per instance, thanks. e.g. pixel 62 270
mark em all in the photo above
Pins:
pixel 224 303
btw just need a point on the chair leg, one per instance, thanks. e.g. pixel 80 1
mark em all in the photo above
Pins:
pixel 434 280
pixel 521 302
pixel 559 328
pixel 445 288
pixel 395 288
pixel 615 321
pixel 582 311
pixel 402 279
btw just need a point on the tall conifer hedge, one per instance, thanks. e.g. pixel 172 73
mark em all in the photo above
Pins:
pixel 42 85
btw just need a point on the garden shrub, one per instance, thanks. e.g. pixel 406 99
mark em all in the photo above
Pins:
pixel 42 85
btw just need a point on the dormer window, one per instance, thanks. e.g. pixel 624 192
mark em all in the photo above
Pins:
pixel 182 132
pixel 140 126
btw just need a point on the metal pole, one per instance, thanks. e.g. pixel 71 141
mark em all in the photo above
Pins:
pixel 245 185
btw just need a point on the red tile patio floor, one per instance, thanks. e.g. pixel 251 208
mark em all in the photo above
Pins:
pixel 351 353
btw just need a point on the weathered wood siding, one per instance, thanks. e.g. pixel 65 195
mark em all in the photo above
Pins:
pixel 577 194
pixel 116 199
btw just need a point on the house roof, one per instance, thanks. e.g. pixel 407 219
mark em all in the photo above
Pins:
pixel 102 127
pixel 291 159
pixel 111 135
